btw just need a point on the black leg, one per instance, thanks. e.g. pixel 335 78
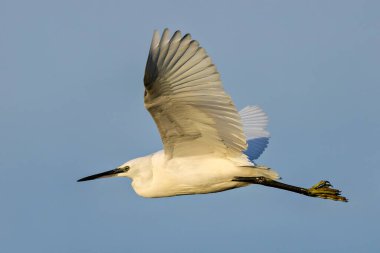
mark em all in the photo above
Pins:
pixel 321 190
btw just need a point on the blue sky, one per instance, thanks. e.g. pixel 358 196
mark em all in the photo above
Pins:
pixel 71 105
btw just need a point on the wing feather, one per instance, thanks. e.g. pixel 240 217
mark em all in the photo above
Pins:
pixel 185 97
pixel 255 122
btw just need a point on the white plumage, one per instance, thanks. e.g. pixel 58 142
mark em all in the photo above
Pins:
pixel 184 95
pixel 254 122
pixel 208 145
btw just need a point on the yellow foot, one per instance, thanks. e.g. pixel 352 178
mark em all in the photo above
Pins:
pixel 324 190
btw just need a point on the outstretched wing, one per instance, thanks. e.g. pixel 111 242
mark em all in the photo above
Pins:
pixel 255 122
pixel 185 97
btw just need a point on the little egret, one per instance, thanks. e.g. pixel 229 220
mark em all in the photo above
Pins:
pixel 207 145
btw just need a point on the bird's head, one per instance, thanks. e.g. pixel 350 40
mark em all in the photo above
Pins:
pixel 120 171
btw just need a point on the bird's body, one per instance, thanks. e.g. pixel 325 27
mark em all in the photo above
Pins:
pixel 157 176
pixel 208 145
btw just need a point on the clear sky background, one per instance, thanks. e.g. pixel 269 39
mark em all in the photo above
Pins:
pixel 71 105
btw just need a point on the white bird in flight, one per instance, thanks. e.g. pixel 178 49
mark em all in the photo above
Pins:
pixel 208 145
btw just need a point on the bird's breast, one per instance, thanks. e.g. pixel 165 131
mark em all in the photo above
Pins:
pixel 189 176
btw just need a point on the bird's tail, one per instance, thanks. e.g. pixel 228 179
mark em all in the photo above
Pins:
pixel 263 171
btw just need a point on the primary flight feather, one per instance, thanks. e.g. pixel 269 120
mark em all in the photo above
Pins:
pixel 208 146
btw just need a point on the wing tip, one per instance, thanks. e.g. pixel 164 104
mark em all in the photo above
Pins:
pixel 155 40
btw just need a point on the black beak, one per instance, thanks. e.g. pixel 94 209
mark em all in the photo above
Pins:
pixel 110 173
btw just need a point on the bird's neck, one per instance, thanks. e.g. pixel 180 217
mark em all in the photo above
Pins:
pixel 141 171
